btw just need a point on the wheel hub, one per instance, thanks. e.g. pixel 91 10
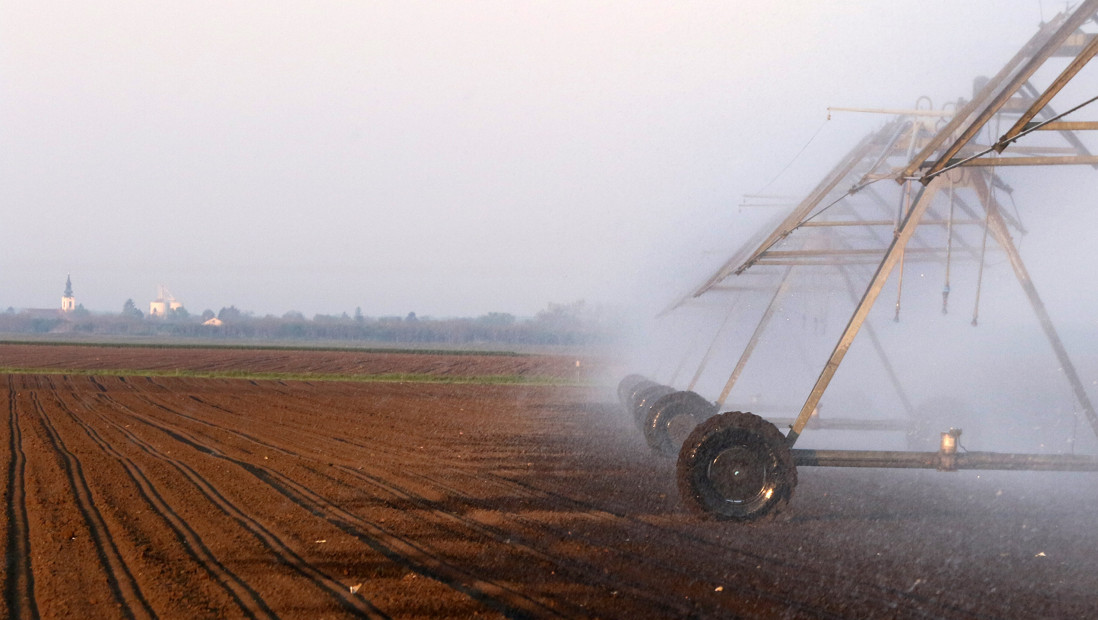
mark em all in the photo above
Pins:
pixel 739 475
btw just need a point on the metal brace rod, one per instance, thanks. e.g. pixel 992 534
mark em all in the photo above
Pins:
pixel 685 358
pixel 1076 19
pixel 1063 125
pixel 843 253
pixel 1057 85
pixel 934 460
pixel 864 223
pixel 837 175
pixel 990 162
pixel 712 345
pixel 969 108
pixel 998 228
pixel 1047 114
pixel 891 257
pixel 867 260
pixel 879 348
pixel 755 336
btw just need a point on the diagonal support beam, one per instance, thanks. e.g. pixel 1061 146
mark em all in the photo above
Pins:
pixel 886 364
pixel 1067 133
pixel 755 336
pixel 712 347
pixel 969 108
pixel 842 171
pixel 997 227
pixel 1026 71
pixel 1041 101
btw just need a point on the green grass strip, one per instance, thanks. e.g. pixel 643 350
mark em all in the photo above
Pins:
pixel 395 377
pixel 113 344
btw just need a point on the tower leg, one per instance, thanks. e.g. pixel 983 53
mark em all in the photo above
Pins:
pixel 891 257
pixel 998 228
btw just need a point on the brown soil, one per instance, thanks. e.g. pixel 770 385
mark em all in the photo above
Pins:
pixel 272 360
pixel 139 497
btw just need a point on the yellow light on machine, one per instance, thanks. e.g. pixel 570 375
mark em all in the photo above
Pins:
pixel 947 450
pixel 949 441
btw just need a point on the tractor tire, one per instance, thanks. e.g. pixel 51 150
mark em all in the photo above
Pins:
pixel 626 387
pixel 736 467
pixel 672 418
pixel 630 400
pixel 645 399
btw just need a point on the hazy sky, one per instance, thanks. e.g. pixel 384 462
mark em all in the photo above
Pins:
pixel 447 158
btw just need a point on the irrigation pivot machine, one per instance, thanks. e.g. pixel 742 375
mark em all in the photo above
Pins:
pixel 927 190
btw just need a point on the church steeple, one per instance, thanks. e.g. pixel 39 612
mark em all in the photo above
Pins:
pixel 68 302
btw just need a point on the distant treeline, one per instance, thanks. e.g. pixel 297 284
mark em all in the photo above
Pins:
pixel 559 324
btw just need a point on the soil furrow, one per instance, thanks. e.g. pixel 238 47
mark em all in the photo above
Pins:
pixel 123 586
pixel 644 565
pixel 698 546
pixel 541 541
pixel 400 550
pixel 277 547
pixel 639 588
pixel 553 539
pixel 19 601
pixel 248 600
pixel 543 500
pixel 545 540
pixel 579 568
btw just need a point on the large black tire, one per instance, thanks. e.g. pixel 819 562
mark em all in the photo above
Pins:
pixel 672 418
pixel 630 400
pixel 738 467
pixel 626 386
pixel 645 399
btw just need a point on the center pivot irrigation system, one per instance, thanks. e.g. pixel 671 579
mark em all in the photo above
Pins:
pixel 922 189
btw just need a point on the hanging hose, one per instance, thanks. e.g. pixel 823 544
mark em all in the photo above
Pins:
pixel 906 205
pixel 983 255
pixel 1074 427
pixel 949 250
pixel 987 217
pixel 905 201
pixel 899 290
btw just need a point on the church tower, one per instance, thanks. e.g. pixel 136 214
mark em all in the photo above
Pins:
pixel 68 302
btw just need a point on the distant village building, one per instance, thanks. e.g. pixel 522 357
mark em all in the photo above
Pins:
pixel 214 322
pixel 164 303
pixel 68 302
pixel 54 316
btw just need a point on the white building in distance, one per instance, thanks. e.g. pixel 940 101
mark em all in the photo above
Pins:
pixel 68 301
pixel 163 304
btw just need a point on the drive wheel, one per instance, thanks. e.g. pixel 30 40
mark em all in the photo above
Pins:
pixel 644 400
pixel 736 466
pixel 626 387
pixel 672 418
pixel 630 400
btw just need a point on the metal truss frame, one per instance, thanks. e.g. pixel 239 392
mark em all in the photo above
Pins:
pixel 929 158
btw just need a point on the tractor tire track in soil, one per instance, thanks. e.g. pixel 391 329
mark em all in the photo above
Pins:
pixel 576 567
pixel 418 558
pixel 120 580
pixel 544 538
pixel 248 600
pixel 239 498
pixel 278 547
pixel 423 560
pixel 19 599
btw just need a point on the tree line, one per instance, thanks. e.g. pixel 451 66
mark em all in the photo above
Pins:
pixel 558 324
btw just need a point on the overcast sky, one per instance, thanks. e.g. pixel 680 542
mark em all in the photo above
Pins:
pixel 447 158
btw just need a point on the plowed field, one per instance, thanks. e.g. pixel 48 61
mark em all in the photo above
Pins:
pixel 141 495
